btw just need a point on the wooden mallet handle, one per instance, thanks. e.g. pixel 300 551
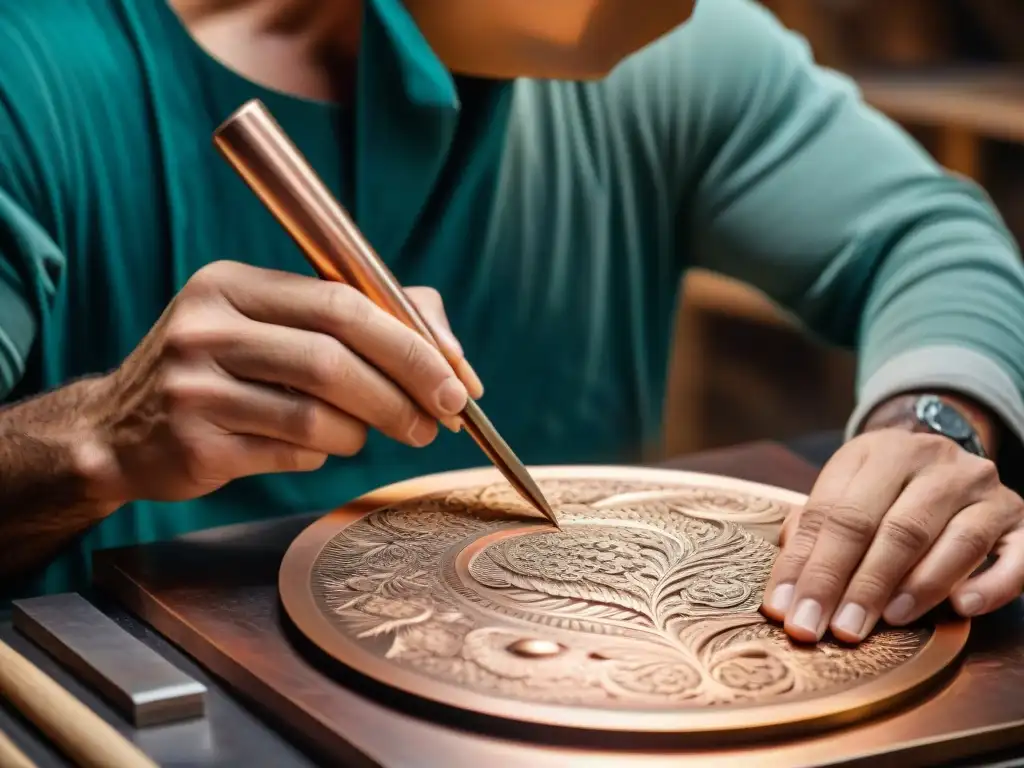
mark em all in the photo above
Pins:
pixel 76 730
pixel 11 756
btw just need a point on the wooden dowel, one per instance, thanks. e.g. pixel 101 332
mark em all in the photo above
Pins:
pixel 11 756
pixel 76 730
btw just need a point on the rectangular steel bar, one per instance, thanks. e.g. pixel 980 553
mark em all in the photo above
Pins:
pixel 143 685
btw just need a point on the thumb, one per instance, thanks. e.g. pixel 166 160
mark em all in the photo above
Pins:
pixel 431 308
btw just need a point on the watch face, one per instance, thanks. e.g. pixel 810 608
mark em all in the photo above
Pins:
pixel 944 419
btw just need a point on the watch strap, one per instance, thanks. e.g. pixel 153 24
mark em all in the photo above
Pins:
pixel 906 413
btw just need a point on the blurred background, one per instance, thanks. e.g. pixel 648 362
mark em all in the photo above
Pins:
pixel 952 73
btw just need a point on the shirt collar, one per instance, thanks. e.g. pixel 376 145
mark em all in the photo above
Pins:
pixel 407 113
pixel 425 80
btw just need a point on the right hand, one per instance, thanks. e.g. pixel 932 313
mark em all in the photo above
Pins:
pixel 251 371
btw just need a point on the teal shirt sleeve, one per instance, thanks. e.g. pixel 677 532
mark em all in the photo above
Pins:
pixel 22 247
pixel 830 209
pixel 31 261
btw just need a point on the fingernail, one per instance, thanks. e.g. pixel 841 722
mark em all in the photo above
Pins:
pixel 969 604
pixel 807 617
pixel 422 433
pixel 474 386
pixel 850 620
pixel 453 423
pixel 780 598
pixel 451 397
pixel 899 610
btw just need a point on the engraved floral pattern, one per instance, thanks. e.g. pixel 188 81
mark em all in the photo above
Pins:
pixel 651 594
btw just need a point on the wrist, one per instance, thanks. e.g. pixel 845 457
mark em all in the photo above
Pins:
pixel 88 459
pixel 900 412
pixel 94 453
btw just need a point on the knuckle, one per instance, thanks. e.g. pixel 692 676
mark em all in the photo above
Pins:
pixel 908 533
pixel 799 545
pixel 323 367
pixel 848 521
pixel 180 391
pixel 870 588
pixel 421 364
pixel 937 445
pixel 973 542
pixel 345 307
pixel 210 277
pixel 821 579
pixel 980 473
pixel 302 420
pixel 189 334
pixel 811 521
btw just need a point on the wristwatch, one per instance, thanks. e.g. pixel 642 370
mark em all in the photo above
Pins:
pixel 937 416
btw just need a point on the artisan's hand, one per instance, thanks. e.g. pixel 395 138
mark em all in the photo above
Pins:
pixel 897 522
pixel 251 371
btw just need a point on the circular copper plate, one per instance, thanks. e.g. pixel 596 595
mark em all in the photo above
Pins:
pixel 640 615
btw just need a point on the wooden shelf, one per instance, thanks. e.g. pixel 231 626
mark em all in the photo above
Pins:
pixel 963 108
pixel 988 103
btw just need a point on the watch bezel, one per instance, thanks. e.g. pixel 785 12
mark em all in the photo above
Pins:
pixel 926 409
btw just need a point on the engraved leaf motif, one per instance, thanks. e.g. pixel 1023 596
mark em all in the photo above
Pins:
pixel 597 577
pixel 652 594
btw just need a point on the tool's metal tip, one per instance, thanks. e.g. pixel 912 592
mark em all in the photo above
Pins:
pixel 535 497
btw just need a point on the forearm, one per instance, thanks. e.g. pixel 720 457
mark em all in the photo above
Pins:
pixel 51 470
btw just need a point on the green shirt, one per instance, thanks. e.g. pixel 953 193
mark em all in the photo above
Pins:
pixel 555 218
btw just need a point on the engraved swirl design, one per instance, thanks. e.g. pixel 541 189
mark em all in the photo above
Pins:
pixel 651 594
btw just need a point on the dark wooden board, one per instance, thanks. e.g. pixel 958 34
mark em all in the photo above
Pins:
pixel 214 594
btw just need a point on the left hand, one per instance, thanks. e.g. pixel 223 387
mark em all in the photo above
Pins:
pixel 896 523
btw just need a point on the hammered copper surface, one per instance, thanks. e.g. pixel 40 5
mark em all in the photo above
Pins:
pixel 640 615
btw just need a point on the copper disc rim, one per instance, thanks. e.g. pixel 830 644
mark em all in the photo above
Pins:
pixel 942 649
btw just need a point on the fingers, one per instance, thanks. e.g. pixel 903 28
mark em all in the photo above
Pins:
pixel 908 529
pixel 800 531
pixel 833 533
pixel 320 366
pixel 379 370
pixel 266 456
pixel 959 550
pixel 248 409
pixel 997 586
pixel 342 312
pixel 431 307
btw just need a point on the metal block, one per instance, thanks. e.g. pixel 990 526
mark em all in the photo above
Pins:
pixel 138 681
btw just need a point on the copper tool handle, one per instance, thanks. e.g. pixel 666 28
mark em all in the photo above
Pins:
pixel 266 159
pixel 78 731
pixel 281 177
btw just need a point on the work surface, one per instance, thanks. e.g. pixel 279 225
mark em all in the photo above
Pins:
pixel 233 734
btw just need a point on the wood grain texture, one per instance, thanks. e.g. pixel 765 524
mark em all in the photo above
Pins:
pixel 11 756
pixel 74 728
pixel 215 595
